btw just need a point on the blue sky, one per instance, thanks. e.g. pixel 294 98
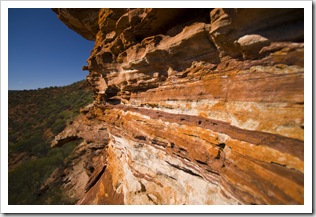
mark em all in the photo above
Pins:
pixel 43 51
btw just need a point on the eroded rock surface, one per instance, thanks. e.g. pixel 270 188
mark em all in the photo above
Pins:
pixel 192 106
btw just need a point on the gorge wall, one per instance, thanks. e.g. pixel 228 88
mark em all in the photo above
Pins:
pixel 192 106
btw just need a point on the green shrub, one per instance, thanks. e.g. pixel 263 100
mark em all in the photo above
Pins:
pixel 58 126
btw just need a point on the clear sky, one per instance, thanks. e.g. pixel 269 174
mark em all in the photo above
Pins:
pixel 43 51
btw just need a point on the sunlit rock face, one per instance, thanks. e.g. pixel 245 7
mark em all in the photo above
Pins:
pixel 195 106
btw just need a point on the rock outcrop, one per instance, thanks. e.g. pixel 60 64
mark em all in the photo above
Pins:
pixel 196 106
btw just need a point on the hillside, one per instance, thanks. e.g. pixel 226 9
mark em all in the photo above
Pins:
pixel 35 117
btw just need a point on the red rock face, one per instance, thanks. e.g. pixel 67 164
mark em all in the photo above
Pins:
pixel 197 106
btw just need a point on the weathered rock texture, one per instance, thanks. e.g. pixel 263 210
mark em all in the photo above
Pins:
pixel 196 106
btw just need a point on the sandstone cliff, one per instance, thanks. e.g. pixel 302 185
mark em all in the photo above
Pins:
pixel 192 106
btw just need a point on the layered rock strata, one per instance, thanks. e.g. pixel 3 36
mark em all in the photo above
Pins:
pixel 197 106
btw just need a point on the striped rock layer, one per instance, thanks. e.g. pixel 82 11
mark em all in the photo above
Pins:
pixel 192 106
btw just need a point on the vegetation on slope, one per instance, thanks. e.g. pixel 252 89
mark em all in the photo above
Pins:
pixel 35 117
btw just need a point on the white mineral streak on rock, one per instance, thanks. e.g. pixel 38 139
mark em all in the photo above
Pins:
pixel 160 176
